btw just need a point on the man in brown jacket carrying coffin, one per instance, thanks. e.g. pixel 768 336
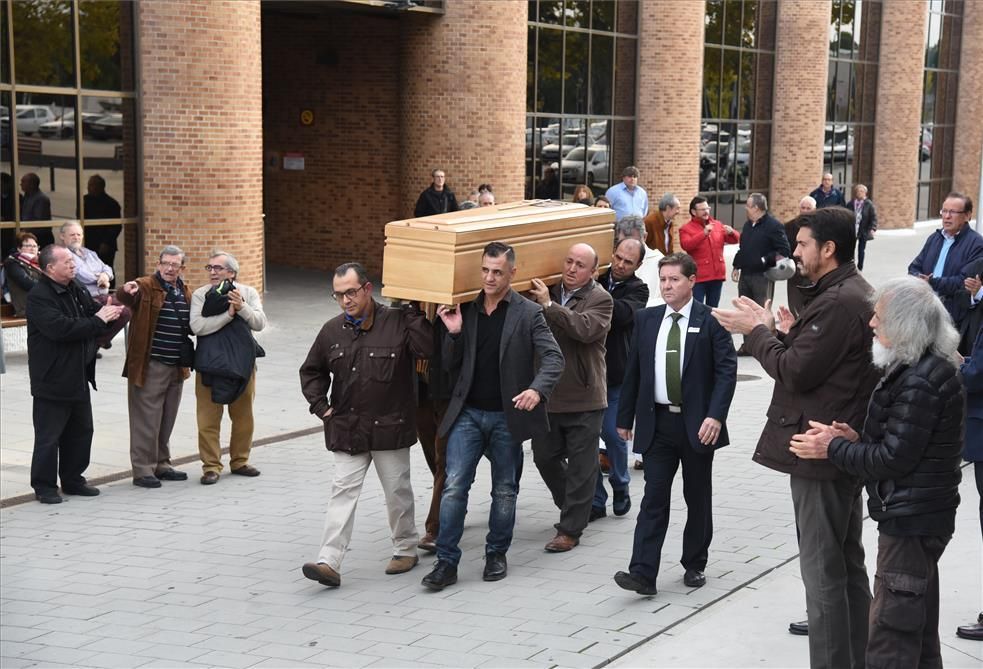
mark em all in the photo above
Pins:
pixel 823 371
pixel 578 311
pixel 366 356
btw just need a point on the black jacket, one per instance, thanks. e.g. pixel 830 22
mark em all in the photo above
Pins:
pixel 909 453
pixel 433 202
pixel 61 348
pixel 21 278
pixel 226 359
pixel 761 244
pixel 868 217
pixel 629 296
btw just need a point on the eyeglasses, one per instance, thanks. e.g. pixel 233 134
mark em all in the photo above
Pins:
pixel 215 268
pixel 170 265
pixel 351 293
pixel 943 212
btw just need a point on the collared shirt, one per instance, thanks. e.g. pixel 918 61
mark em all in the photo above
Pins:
pixel 625 202
pixel 486 389
pixel 661 394
pixel 88 267
pixel 948 241
pixel 565 295
pixel 173 324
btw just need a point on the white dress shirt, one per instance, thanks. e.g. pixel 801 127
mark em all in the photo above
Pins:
pixel 661 394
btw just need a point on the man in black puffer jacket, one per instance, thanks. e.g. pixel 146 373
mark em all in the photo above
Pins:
pixel 909 456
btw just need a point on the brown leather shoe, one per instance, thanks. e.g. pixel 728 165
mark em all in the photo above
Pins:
pixel 428 543
pixel 400 564
pixel 602 459
pixel 322 573
pixel 561 543
pixel 246 470
pixel 209 478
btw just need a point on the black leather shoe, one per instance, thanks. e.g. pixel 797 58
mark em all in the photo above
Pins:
pixel 81 490
pixel 496 567
pixel 443 574
pixel 634 583
pixel 800 628
pixel 971 632
pixel 49 497
pixel 147 482
pixel 622 502
pixel 596 512
pixel 694 578
pixel 172 475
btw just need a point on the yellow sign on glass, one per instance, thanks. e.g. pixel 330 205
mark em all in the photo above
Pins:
pixel 307 117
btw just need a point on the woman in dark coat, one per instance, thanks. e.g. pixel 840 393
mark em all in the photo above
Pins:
pixel 23 271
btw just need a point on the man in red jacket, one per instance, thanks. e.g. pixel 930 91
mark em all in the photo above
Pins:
pixel 704 238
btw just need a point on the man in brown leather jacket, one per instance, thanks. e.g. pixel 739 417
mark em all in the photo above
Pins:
pixel 366 356
pixel 823 372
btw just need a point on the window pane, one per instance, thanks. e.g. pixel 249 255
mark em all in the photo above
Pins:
pixel 624 76
pixel 728 90
pixel 106 44
pixel 551 11
pixel 598 166
pixel 711 82
pixel 764 77
pixel 7 189
pixel 870 36
pixel 4 53
pixel 925 155
pixel 108 137
pixel 928 101
pixel 834 28
pixel 573 151
pixel 533 10
pixel 765 14
pixel 846 30
pixel 549 63
pixel 601 69
pixel 603 14
pixel 531 153
pixel 578 13
pixel 760 156
pixel 531 71
pixel 748 62
pixel 932 36
pixel 575 76
pixel 714 29
pixel 628 17
pixel 732 22
pixel 43 48
pixel 51 157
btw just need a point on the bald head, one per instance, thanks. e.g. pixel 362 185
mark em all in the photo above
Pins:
pixel 579 266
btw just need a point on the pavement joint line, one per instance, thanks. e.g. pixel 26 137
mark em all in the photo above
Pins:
pixel 16 500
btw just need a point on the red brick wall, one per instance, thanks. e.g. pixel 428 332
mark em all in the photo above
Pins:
pixel 343 67
pixel 202 131
pixel 463 98
pixel 899 107
pixel 969 115
pixel 799 118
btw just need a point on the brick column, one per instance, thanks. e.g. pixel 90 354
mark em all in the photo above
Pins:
pixel 201 100
pixel 969 116
pixel 670 94
pixel 799 118
pixel 899 108
pixel 463 98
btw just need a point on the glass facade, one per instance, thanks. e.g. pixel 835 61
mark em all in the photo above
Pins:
pixel 68 119
pixel 738 80
pixel 851 103
pixel 580 94
pixel 943 39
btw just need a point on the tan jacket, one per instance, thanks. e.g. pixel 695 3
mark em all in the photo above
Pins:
pixel 146 306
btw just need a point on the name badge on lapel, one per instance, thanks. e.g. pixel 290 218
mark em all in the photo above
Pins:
pixel 696 330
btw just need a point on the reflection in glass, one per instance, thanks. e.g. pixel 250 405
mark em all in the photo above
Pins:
pixel 575 76
pixel 531 71
pixel 577 13
pixel 602 15
pixel 733 27
pixel 551 11
pixel 7 189
pixel 627 17
pixel 103 27
pixel 43 45
pixel 108 139
pixel 711 82
pixel 50 155
pixel 549 63
pixel 4 46
pixel 932 40
pixel 601 69
pixel 714 22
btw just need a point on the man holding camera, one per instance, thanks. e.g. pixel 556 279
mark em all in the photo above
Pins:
pixel 244 302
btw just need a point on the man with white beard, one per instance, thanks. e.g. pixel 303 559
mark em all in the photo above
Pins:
pixel 821 363
pixel 908 455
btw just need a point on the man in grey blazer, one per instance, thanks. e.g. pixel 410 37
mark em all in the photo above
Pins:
pixel 498 402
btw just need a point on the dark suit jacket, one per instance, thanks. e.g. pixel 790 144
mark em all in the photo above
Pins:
pixel 526 339
pixel 868 216
pixel 972 372
pixel 629 296
pixel 708 381
pixel 959 264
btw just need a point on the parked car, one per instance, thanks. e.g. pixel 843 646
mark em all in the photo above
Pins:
pixel 30 118
pixel 109 126
pixel 64 127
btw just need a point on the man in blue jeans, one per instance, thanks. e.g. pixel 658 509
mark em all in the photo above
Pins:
pixel 629 294
pixel 498 402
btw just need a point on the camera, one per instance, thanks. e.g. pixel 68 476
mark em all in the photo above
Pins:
pixel 225 287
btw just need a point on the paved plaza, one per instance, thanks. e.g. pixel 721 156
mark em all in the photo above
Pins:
pixel 189 575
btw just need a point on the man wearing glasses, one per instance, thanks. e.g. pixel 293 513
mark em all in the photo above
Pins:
pixel 159 355
pixel 948 258
pixel 366 357
pixel 245 305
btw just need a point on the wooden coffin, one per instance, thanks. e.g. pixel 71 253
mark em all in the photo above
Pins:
pixel 438 258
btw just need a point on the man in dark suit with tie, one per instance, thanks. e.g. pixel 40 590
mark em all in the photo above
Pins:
pixel 679 383
pixel 507 363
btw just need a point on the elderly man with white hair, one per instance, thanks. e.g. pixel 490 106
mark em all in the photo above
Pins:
pixel 908 455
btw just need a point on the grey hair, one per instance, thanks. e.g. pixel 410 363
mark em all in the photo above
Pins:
pixel 668 200
pixel 467 204
pixel 231 263
pixel 759 201
pixel 67 224
pixel 628 226
pixel 914 320
pixel 810 199
pixel 171 250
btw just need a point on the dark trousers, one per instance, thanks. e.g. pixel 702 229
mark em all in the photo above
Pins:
pixel 429 414
pixel 904 617
pixel 978 468
pixel 708 292
pixel 861 248
pixel 62 443
pixel 670 448
pixel 567 460
pixel 831 557
pixel 756 286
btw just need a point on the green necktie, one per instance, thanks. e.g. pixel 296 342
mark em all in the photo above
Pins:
pixel 674 388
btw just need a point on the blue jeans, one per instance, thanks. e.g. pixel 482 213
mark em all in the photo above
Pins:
pixel 708 292
pixel 476 433
pixel 617 451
